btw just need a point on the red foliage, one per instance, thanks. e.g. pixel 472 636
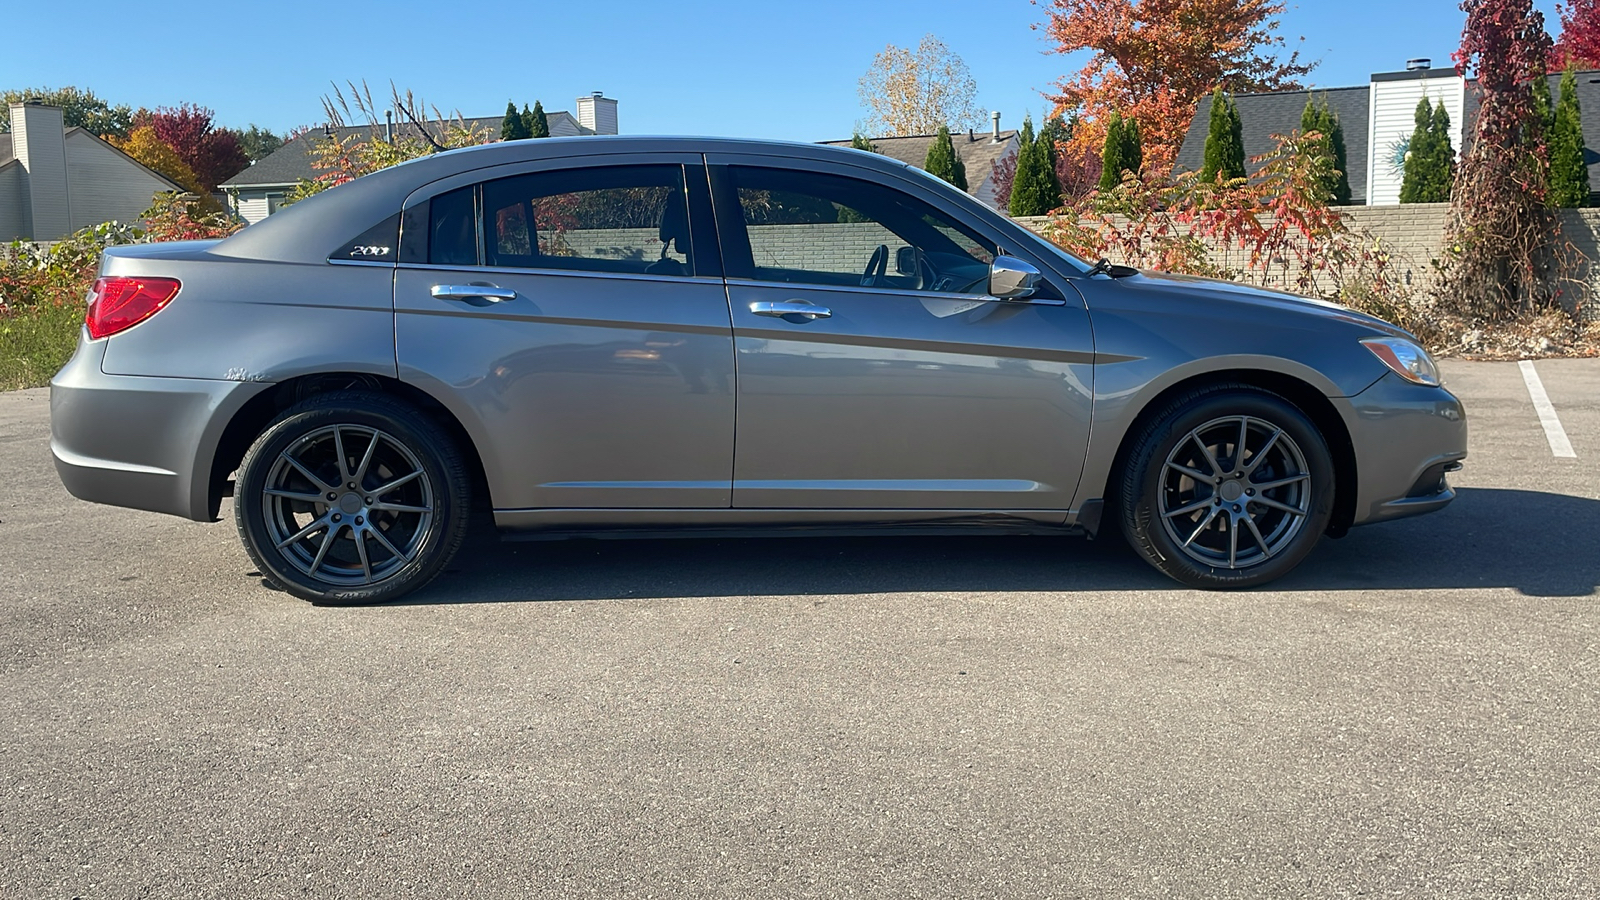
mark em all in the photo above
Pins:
pixel 1078 170
pixel 1579 43
pixel 1504 46
pixel 1154 59
pixel 1003 174
pixel 176 218
pixel 214 155
pixel 1504 241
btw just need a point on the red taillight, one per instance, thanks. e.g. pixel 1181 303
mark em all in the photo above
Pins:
pixel 119 303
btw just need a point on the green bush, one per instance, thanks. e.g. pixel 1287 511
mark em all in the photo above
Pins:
pixel 1430 159
pixel 1124 151
pixel 42 293
pixel 1569 174
pixel 1320 118
pixel 514 127
pixel 943 161
pixel 1224 154
pixel 1035 191
pixel 538 124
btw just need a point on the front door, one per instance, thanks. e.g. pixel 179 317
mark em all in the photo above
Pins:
pixel 874 372
pixel 573 322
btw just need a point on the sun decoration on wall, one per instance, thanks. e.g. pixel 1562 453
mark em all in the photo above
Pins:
pixel 1399 149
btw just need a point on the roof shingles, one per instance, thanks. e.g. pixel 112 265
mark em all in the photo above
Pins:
pixel 979 151
pixel 1265 115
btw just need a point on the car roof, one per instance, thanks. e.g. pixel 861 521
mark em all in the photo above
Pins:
pixel 314 227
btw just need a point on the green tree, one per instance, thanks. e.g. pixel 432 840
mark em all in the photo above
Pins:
pixel 1430 159
pixel 1035 190
pixel 861 143
pixel 1224 155
pixel 943 161
pixel 1124 151
pixel 512 127
pixel 1055 132
pixel 1543 103
pixel 537 122
pixel 1111 156
pixel 257 143
pixel 1319 118
pixel 1569 174
pixel 79 108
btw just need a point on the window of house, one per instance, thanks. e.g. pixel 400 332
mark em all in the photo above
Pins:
pixel 813 228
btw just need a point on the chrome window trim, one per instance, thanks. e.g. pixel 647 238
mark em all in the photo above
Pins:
pixel 576 273
pixel 361 262
pixel 856 289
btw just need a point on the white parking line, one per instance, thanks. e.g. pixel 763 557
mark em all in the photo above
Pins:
pixel 1553 432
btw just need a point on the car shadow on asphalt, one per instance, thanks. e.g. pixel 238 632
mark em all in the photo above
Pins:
pixel 1540 544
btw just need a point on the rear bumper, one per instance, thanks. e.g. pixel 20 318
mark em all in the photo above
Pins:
pixel 1407 439
pixel 144 443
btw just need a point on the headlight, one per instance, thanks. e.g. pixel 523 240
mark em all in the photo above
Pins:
pixel 1408 360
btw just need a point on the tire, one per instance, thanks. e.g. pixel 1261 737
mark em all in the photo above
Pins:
pixel 1224 531
pixel 318 539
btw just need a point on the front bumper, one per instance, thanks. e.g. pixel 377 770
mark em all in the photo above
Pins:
pixel 1407 439
pixel 144 443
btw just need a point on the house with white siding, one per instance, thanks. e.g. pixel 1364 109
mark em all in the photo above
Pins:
pixel 257 192
pixel 55 180
pixel 1378 119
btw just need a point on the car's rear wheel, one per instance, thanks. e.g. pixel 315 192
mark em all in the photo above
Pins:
pixel 351 498
pixel 1227 487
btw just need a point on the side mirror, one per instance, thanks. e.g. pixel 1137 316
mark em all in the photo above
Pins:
pixel 1012 279
pixel 905 261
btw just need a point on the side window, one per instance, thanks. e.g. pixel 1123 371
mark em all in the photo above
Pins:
pixel 624 219
pixel 452 231
pixel 812 228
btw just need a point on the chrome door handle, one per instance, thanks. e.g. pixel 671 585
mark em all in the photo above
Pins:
pixel 473 292
pixel 778 309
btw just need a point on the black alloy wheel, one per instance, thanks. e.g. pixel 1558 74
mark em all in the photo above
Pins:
pixel 1227 487
pixel 351 498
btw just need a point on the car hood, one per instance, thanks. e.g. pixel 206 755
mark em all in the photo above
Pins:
pixel 1234 295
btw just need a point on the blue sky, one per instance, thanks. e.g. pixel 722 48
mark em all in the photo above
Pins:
pixel 713 67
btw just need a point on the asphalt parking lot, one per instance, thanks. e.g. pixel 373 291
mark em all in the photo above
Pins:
pixel 1414 712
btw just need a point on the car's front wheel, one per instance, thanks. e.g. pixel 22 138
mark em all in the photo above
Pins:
pixel 351 498
pixel 1227 487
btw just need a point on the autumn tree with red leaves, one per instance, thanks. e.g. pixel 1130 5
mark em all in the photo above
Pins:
pixel 1504 255
pixel 214 154
pixel 1579 42
pixel 1153 61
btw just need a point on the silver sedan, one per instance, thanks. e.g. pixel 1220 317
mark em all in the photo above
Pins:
pixel 647 336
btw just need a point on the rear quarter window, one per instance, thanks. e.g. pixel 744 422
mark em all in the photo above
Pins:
pixel 380 243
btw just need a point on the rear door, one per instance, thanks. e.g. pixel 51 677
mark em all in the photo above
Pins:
pixel 573 315
pixel 874 371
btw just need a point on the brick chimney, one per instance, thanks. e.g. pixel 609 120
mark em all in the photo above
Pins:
pixel 38 141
